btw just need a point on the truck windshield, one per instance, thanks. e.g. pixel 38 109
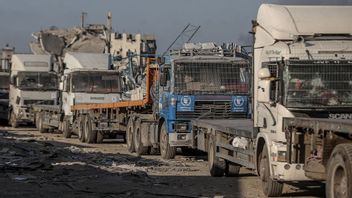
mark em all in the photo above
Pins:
pixel 318 84
pixel 211 77
pixel 37 81
pixel 96 82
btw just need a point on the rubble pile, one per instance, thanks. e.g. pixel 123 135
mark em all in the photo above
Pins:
pixel 91 39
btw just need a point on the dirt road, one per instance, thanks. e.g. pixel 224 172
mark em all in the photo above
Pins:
pixel 47 165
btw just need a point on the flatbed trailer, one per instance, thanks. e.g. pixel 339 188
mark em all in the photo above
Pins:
pixel 116 116
pixel 216 138
pixel 324 146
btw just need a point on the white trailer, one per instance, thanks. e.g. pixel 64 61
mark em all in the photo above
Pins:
pixel 86 79
pixel 32 82
pixel 302 74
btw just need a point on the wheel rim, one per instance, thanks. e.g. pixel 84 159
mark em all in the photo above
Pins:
pixel 211 155
pixel 163 141
pixel 130 136
pixel 137 138
pixel 13 119
pixel 86 129
pixel 80 130
pixel 340 182
pixel 263 171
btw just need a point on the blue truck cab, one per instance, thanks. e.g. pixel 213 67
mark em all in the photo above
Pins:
pixel 201 81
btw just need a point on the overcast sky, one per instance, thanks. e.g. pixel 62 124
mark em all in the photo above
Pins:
pixel 220 20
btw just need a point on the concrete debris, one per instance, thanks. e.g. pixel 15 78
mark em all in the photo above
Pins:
pixel 74 149
pixel 58 41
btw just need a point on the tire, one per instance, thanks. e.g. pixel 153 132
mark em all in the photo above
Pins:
pixel 90 135
pixel 166 151
pixel 81 135
pixel 13 120
pixel 41 127
pixel 100 137
pixel 129 136
pixel 137 139
pixel 232 169
pixel 339 172
pixel 271 188
pixel 37 116
pixel 217 166
pixel 66 129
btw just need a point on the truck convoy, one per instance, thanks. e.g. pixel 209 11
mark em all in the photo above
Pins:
pixel 32 81
pixel 198 81
pixel 281 117
pixel 302 74
pixel 86 79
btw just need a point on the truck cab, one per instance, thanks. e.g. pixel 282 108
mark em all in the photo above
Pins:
pixel 31 82
pixel 201 81
pixel 302 68
pixel 87 80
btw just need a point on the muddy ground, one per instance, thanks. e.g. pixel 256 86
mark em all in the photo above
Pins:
pixel 47 165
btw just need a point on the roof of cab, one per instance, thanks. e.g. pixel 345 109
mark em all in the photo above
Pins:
pixel 285 22
pixel 74 60
pixel 30 62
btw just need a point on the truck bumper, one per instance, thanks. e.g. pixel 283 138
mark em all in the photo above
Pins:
pixel 180 139
pixel 289 172
pixel 24 117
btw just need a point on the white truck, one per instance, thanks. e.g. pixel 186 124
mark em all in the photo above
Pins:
pixel 86 79
pixel 302 88
pixel 32 81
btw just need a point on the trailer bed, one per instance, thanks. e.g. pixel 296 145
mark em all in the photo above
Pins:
pixel 324 124
pixel 238 127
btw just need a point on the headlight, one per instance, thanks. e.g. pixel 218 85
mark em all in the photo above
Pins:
pixel 173 101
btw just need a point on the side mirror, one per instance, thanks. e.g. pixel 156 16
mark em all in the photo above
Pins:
pixel 264 85
pixel 61 86
pixel 163 79
pixel 13 80
pixel 264 73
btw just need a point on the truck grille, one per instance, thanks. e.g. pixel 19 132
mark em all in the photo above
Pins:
pixel 38 102
pixel 211 110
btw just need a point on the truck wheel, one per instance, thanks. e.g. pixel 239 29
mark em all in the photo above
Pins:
pixel 37 116
pixel 339 172
pixel 89 133
pixel 232 169
pixel 100 137
pixel 81 136
pixel 271 188
pixel 66 130
pixel 13 120
pixel 216 165
pixel 166 151
pixel 41 127
pixel 138 145
pixel 130 131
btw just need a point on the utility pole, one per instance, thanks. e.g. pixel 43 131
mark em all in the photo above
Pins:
pixel 109 31
pixel 83 14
